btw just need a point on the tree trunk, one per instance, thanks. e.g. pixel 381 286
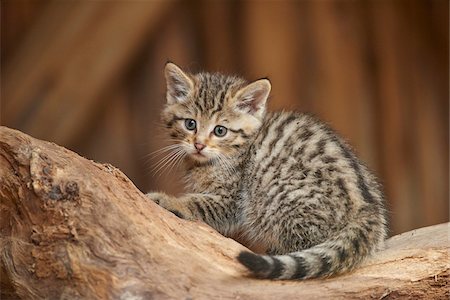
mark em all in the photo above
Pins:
pixel 72 228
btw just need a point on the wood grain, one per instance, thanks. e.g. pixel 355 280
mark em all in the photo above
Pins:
pixel 75 229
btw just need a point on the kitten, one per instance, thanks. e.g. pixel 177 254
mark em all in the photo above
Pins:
pixel 284 184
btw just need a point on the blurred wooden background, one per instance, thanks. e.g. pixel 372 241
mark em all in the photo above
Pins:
pixel 89 75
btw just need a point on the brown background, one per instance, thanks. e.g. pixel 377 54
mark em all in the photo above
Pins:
pixel 88 75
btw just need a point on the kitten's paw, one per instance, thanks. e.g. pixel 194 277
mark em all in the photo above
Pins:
pixel 170 203
pixel 157 197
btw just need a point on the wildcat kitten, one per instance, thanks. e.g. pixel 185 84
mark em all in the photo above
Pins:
pixel 283 183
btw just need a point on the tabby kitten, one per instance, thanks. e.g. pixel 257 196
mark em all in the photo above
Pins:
pixel 284 184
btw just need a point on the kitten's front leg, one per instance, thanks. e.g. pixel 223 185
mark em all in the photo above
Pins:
pixel 215 210
pixel 172 204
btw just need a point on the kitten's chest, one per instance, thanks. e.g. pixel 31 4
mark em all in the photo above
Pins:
pixel 211 180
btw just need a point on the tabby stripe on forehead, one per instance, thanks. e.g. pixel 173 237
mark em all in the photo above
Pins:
pixel 198 104
pixel 205 95
pixel 199 101
pixel 197 97
pixel 222 95
pixel 219 104
pixel 212 98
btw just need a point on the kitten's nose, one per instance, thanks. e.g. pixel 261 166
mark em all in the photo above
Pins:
pixel 199 146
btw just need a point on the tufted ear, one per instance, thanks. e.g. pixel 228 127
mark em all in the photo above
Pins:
pixel 253 97
pixel 179 84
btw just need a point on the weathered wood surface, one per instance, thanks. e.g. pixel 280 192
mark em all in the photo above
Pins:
pixel 72 228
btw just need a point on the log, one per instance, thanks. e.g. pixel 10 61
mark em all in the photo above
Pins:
pixel 72 228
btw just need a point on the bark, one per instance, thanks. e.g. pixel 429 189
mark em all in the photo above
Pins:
pixel 73 228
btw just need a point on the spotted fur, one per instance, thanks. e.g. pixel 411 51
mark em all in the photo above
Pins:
pixel 284 184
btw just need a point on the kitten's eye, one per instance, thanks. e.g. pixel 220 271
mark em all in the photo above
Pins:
pixel 190 124
pixel 220 131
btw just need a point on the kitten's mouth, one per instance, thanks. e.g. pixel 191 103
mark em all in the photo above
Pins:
pixel 201 157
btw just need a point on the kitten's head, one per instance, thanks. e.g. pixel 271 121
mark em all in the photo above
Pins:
pixel 212 116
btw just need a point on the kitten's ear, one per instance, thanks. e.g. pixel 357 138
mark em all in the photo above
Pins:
pixel 253 97
pixel 179 84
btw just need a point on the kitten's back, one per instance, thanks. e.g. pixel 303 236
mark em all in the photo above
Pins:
pixel 307 190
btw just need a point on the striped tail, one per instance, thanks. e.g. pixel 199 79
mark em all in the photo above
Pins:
pixel 337 255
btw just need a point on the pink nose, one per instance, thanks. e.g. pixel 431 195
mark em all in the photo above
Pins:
pixel 199 146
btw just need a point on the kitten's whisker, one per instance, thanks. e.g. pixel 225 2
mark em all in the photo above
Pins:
pixel 163 149
pixel 166 158
pixel 173 156
pixel 163 166
pixel 149 157
pixel 175 161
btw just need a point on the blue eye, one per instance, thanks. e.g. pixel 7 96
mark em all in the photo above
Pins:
pixel 190 124
pixel 220 131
